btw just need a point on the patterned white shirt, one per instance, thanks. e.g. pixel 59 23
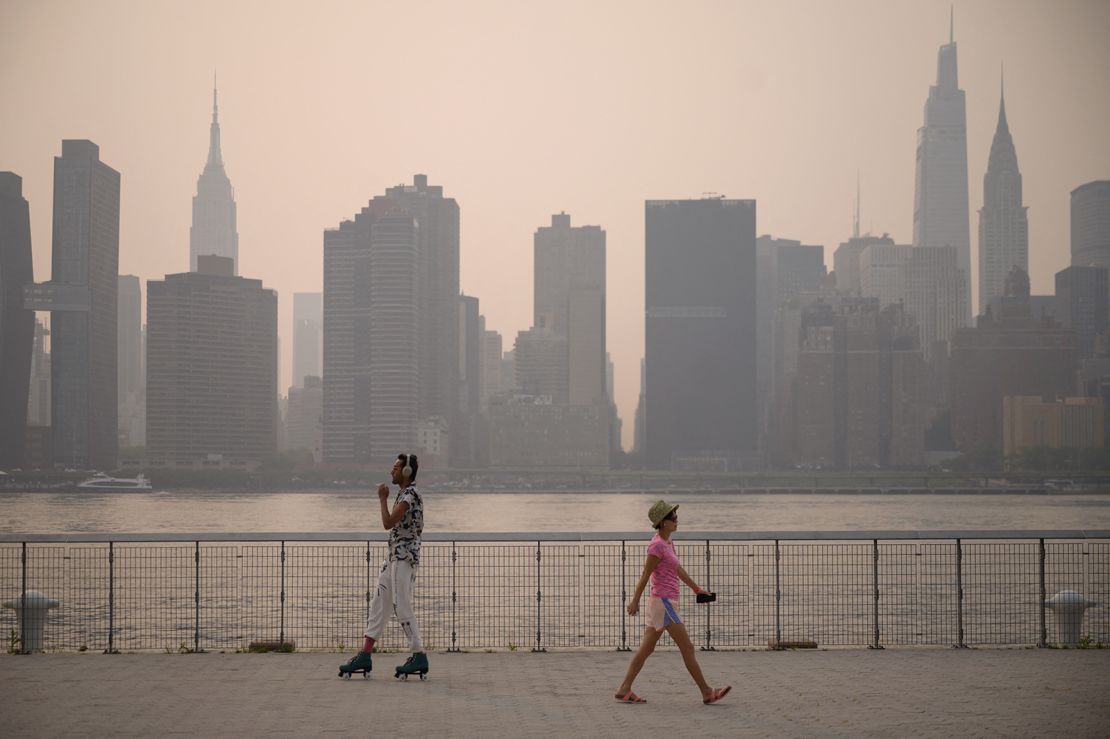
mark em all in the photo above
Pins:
pixel 404 538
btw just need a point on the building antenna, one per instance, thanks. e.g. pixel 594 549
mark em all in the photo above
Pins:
pixel 952 24
pixel 855 223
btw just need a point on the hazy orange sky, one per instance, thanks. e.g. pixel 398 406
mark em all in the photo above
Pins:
pixel 524 109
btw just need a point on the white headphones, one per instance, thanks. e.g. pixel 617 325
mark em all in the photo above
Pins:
pixel 407 469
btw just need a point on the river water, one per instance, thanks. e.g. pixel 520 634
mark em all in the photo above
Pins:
pixel 69 513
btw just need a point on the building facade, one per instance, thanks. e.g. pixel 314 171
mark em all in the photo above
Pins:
pixel 1031 422
pixel 1081 305
pixel 308 336
pixel 211 368
pixel 17 323
pixel 700 333
pixel 1009 353
pixel 1090 224
pixel 131 376
pixel 936 295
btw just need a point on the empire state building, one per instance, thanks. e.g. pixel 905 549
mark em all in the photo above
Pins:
pixel 940 209
pixel 214 226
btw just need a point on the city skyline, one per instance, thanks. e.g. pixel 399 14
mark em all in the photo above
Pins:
pixel 791 136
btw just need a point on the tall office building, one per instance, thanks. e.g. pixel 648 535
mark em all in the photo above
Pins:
pixel 303 416
pixel 38 402
pixel 882 272
pixel 211 369
pixel 1090 224
pixel 17 324
pixel 1003 223
pixel 940 210
pixel 214 229
pixel 308 336
pixel 846 261
pixel 1081 303
pixel 491 365
pixel 785 269
pixel 569 298
pixel 463 443
pixel 82 299
pixel 131 392
pixel 700 333
pixel 391 324
pixel 936 294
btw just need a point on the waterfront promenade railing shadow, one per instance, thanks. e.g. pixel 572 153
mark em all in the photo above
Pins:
pixel 221 592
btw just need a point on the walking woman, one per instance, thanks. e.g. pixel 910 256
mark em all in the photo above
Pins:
pixel 664 570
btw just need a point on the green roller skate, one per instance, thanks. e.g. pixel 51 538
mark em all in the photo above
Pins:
pixel 361 662
pixel 417 664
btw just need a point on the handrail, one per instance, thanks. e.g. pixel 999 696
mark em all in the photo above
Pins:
pixel 561 536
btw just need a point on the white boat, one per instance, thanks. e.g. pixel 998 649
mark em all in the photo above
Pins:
pixel 105 483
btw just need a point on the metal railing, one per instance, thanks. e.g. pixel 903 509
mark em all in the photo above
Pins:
pixel 207 592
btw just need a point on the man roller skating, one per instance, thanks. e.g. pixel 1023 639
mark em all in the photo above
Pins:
pixel 405 524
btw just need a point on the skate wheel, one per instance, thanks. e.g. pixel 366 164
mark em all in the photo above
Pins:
pixel 423 676
pixel 365 675
pixel 346 676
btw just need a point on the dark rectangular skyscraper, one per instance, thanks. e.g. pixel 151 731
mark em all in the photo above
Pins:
pixel 81 296
pixel 700 333
pixel 17 324
pixel 391 324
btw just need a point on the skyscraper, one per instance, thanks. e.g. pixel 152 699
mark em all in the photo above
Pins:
pixel 212 368
pixel 81 297
pixel 1003 224
pixel 131 392
pixel 391 324
pixel 308 336
pixel 700 333
pixel 940 211
pixel 936 294
pixel 569 298
pixel 214 229
pixel 1081 301
pixel 17 324
pixel 1090 224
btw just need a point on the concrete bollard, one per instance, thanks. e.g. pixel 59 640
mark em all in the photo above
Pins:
pixel 1069 607
pixel 34 621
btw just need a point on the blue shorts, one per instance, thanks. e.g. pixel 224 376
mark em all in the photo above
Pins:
pixel 661 613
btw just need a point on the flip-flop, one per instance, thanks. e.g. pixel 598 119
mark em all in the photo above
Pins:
pixel 629 697
pixel 716 694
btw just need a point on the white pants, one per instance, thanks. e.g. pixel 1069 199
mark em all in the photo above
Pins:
pixel 395 585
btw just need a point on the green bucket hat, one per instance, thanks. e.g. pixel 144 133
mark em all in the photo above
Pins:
pixel 661 510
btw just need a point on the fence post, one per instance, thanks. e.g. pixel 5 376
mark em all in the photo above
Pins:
pixel 875 588
pixel 778 598
pixel 111 597
pixel 196 598
pixel 23 603
pixel 1043 636
pixel 624 597
pixel 539 597
pixel 281 618
pixel 454 599
pixel 708 606
pixel 960 595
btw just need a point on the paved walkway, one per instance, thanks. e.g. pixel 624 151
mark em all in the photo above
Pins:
pixel 891 693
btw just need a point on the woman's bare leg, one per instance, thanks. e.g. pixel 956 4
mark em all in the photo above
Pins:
pixel 647 646
pixel 686 647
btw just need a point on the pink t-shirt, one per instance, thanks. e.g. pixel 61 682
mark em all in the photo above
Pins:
pixel 664 579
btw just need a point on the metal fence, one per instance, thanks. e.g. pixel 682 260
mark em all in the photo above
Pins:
pixel 538 591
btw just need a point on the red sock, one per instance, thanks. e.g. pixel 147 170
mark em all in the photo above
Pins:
pixel 368 645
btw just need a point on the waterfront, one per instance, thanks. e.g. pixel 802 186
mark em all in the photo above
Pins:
pixel 62 513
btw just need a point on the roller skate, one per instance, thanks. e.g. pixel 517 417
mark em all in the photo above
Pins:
pixel 417 664
pixel 361 662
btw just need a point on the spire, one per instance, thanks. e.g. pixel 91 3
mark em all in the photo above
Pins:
pixel 952 24
pixel 215 158
pixel 1002 124
pixel 1002 156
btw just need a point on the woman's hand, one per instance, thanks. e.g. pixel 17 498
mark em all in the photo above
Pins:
pixel 633 607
